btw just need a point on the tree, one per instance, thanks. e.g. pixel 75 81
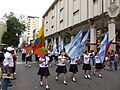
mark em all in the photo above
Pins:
pixel 15 26
pixel 67 37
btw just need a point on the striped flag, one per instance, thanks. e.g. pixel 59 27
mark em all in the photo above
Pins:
pixel 103 41
pixel 101 53
pixel 81 48
pixel 54 45
pixel 67 47
pixel 39 44
pixel 76 40
pixel 109 43
pixel 61 45
pixel 75 51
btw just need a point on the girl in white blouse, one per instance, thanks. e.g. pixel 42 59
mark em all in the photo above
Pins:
pixel 73 68
pixel 61 68
pixel 87 66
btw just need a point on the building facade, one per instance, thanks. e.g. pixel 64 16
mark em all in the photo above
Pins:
pixel 32 27
pixel 70 15
pixel 3 28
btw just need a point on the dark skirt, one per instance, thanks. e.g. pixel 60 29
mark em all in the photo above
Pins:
pixel 27 58
pixel 44 71
pixel 56 58
pixel 73 68
pixel 86 67
pixel 98 66
pixel 61 69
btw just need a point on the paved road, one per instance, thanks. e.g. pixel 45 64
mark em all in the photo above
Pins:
pixel 27 79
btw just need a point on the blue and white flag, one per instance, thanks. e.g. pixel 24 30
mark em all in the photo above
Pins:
pixel 76 40
pixel 61 45
pixel 67 47
pixel 103 41
pixel 54 46
pixel 101 53
pixel 79 48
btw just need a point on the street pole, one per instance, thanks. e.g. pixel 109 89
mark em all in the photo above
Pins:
pixel 102 22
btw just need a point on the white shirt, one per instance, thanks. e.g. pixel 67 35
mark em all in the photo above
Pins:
pixel 8 60
pixel 97 60
pixel 86 59
pixel 61 61
pixel 23 51
pixel 43 64
pixel 73 61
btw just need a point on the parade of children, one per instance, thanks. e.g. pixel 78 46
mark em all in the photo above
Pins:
pixel 62 63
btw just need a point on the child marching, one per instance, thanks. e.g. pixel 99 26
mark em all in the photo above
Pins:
pixel 44 70
pixel 98 66
pixel 61 68
pixel 73 68
pixel 87 66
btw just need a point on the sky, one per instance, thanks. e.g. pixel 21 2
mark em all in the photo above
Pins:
pixel 25 7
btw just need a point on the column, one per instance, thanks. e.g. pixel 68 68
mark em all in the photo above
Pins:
pixel 93 37
pixel 46 43
pixel 72 37
pixel 59 40
pixel 111 28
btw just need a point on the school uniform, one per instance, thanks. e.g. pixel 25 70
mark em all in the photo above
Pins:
pixel 56 56
pixel 86 65
pixel 43 70
pixel 73 65
pixel 98 63
pixel 28 57
pixel 61 68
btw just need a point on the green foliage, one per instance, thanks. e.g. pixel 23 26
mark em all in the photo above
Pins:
pixel 10 39
pixel 15 26
pixel 67 37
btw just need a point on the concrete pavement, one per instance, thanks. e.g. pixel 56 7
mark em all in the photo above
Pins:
pixel 27 79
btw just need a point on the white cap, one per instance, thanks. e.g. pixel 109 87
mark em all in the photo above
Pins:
pixel 13 49
pixel 48 51
pixel 9 49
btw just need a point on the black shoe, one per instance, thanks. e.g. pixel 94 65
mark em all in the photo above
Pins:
pixel 64 82
pixel 85 77
pixel 48 88
pixel 100 76
pixel 89 77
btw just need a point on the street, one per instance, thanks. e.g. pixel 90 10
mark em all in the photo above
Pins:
pixel 27 79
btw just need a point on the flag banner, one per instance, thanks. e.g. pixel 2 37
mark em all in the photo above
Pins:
pixel 67 47
pixel 101 53
pixel 79 48
pixel 28 48
pixel 109 43
pixel 75 41
pixel 54 45
pixel 61 45
pixel 39 44
pixel 103 41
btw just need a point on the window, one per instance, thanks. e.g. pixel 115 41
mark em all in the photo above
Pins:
pixel 53 8
pixel 76 12
pixel 52 17
pixel 61 9
pixel 47 22
pixel 61 21
pixel 46 30
pixel 52 26
pixel 95 1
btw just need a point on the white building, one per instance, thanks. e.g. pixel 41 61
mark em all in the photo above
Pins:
pixel 3 28
pixel 32 25
pixel 71 15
